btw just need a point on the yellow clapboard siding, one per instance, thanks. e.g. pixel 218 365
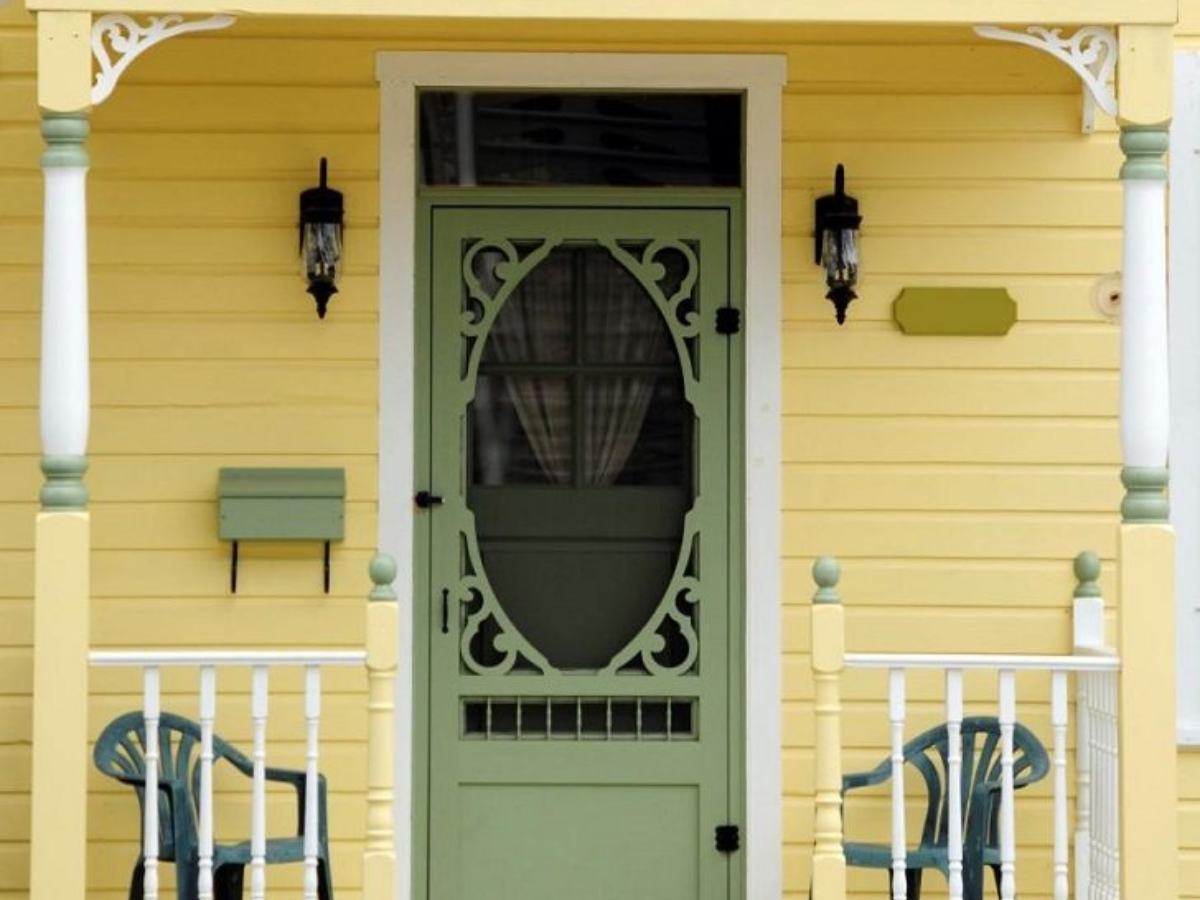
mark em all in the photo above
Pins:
pixel 1051 251
pixel 973 535
pixel 149 291
pixel 261 430
pixel 172 621
pixel 944 488
pixel 1089 345
pixel 164 526
pixel 257 201
pixel 906 391
pixel 957 440
pixel 181 244
pixel 870 116
pixel 1097 159
pixel 1035 204
pixel 241 107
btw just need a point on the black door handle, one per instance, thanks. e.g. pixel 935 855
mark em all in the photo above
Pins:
pixel 445 610
pixel 425 500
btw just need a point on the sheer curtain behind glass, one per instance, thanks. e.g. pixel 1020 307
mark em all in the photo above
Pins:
pixel 624 328
pixel 538 328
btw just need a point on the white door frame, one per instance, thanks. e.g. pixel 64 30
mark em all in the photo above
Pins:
pixel 761 78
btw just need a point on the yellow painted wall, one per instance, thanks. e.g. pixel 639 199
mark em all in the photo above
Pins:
pixel 956 477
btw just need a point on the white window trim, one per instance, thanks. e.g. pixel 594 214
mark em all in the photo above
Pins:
pixel 762 78
pixel 1184 331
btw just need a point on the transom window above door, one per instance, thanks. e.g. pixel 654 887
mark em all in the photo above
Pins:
pixel 474 138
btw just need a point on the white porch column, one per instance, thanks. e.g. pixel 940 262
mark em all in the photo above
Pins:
pixel 65 392
pixel 1145 404
pixel 58 826
pixel 1149 857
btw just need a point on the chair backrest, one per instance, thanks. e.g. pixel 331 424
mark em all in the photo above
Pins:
pixel 981 774
pixel 120 753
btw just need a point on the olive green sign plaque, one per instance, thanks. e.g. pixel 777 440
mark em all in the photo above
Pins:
pixel 955 311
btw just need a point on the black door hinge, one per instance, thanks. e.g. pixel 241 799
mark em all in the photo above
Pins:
pixel 729 320
pixel 729 838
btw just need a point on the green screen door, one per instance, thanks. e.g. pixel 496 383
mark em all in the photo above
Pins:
pixel 580 623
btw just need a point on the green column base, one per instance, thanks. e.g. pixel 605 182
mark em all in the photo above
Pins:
pixel 1145 494
pixel 64 488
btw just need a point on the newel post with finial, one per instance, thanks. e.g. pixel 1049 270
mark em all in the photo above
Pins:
pixel 379 854
pixel 828 659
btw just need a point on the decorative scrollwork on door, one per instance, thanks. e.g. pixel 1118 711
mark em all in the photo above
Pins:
pixel 679 307
pixel 490 643
pixel 668 644
pixel 666 273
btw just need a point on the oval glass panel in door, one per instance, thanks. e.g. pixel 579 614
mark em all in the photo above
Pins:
pixel 580 439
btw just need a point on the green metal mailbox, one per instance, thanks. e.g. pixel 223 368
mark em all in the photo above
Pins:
pixel 281 505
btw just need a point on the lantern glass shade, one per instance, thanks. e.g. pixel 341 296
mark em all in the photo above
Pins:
pixel 321 253
pixel 839 256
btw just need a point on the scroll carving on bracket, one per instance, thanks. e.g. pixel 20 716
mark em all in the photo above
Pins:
pixel 118 39
pixel 1091 52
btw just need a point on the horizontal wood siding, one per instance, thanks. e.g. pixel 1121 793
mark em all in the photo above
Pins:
pixel 956 477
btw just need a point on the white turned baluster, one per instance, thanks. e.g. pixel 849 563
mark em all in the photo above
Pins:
pixel 258 802
pixel 312 712
pixel 1008 852
pixel 954 812
pixel 150 715
pixel 208 711
pixel 1058 722
pixel 1083 785
pixel 1099 873
pixel 1111 785
pixel 896 712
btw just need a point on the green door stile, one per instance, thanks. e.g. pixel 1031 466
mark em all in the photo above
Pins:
pixel 545 765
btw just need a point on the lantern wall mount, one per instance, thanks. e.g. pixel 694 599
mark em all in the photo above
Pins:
pixel 321 215
pixel 835 239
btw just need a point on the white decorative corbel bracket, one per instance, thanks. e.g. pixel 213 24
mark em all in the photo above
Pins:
pixel 128 39
pixel 1091 52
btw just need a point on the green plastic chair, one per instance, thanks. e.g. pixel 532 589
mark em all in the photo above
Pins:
pixel 120 754
pixel 981 774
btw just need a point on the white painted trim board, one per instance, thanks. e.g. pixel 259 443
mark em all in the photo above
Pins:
pixel 762 79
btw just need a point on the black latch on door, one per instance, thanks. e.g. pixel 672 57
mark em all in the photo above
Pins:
pixel 729 320
pixel 426 500
pixel 729 838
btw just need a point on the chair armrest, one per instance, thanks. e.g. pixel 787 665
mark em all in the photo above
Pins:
pixel 878 775
pixel 299 780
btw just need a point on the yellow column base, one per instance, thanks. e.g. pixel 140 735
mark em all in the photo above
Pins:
pixel 58 831
pixel 1149 785
pixel 828 660
pixel 379 856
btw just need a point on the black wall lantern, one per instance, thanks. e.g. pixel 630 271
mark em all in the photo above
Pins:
pixel 321 240
pixel 836 239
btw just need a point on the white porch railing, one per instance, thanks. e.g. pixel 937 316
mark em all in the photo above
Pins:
pixel 379 660
pixel 260 663
pixel 1094 671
